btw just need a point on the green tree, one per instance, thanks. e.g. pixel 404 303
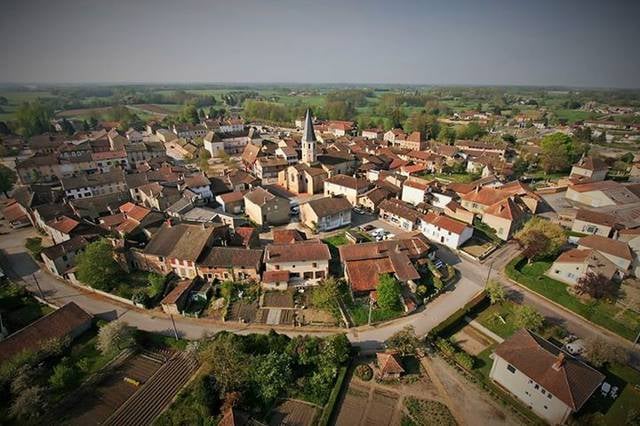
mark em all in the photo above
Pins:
pixel 67 127
pixel 29 405
pixel 156 284
pixel 424 123
pixel 464 359
pixel 336 350
pixel 447 135
pixel 272 375
pixel 388 290
pixel 404 341
pixel 496 292
pixel 4 100
pixel 7 179
pixel 328 294
pixel 115 336
pixel 224 357
pixel 527 317
pixel 97 267
pixel 64 376
pixel 538 229
pixel 558 152
pixel 34 245
pixel 32 118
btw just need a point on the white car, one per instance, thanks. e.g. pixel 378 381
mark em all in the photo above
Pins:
pixel 576 347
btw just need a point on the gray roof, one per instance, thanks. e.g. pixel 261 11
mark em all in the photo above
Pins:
pixel 308 135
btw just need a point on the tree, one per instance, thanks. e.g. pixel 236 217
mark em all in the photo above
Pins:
pixel 32 118
pixel 527 317
pixel 4 129
pixel 34 245
pixel 535 245
pixel 115 336
pixel 555 236
pixel 29 405
pixel 496 292
pixel 327 295
pixel 599 352
pixel 388 290
pixel 97 267
pixel 225 358
pixel 336 350
pixel 7 179
pixel 272 375
pixel 4 100
pixel 156 284
pixel 558 152
pixel 190 114
pixel 597 286
pixel 67 127
pixel 63 377
pixel 404 341
pixel 424 123
pixel 464 359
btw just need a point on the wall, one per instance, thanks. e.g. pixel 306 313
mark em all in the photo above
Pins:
pixel 301 267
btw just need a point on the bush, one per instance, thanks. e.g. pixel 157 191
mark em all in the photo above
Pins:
pixel 115 336
pixel 464 359
pixel 63 377
pixel 364 372
pixel 445 346
pixel 34 245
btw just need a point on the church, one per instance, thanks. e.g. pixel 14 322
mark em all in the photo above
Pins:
pixel 308 176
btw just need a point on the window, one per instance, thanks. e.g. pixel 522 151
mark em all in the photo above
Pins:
pixel 537 386
pixel 544 391
pixel 511 368
pixel 277 267
pixel 319 274
pixel 308 275
pixel 546 408
pixel 314 264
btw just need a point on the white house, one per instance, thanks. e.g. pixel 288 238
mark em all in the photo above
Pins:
pixel 347 186
pixel 414 191
pixel 445 230
pixel 552 383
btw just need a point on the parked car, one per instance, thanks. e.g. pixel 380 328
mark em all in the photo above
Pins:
pixel 358 210
pixel 367 228
pixel 295 210
pixel 576 347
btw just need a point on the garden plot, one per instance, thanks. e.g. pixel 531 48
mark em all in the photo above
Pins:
pixel 381 408
pixel 471 340
pixel 354 406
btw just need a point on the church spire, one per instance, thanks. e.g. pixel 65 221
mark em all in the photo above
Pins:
pixel 308 141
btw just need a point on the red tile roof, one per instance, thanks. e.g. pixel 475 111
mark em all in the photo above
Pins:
pixel 303 251
pixel 607 245
pixel 388 363
pixel 445 222
pixel 63 224
pixel 275 276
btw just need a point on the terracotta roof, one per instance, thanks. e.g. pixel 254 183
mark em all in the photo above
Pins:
pixel 568 379
pixel 14 212
pixel 69 246
pixel 445 222
pixel 592 259
pixel 417 183
pixel 180 241
pixel 635 231
pixel 485 195
pixel 228 257
pixel 595 217
pixel 607 245
pixel 461 188
pixel 275 276
pixel 177 292
pixel 328 206
pixel 232 197
pixel 574 256
pixel 299 252
pixel 259 196
pixel 64 224
pixel 399 208
pixel 58 324
pixel 506 209
pixel 376 195
pixel 134 211
pixel 414 168
pixel 196 180
pixel 349 182
pixel 415 247
pixel 108 155
pixel 245 233
pixel 596 186
pixel 287 236
pixel 388 363
pixel 594 164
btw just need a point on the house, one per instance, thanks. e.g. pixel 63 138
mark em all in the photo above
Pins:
pixel 303 179
pixel 590 169
pixel 373 133
pixel 445 230
pixel 364 263
pixel 175 302
pixel 480 198
pixel 348 186
pixel 177 248
pixel 388 366
pixel 340 128
pixel 306 261
pixel 231 263
pixel 325 214
pixel 399 213
pixel 265 208
pixel 199 184
pixel 414 191
pixel 246 236
pixel 594 223
pixel 632 238
pixel 68 321
pixel 60 228
pixel 412 142
pixel 616 251
pixel 231 202
pixel 92 185
pixel 60 258
pixel 573 264
pixel 15 214
pixel 546 379
pixel 158 196
pixel 455 211
pixel 287 236
pixel 275 280
pixel 504 217
pixel 601 194
pixel 371 199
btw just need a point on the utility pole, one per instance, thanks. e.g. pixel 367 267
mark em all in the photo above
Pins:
pixel 370 307
pixel 175 330
pixel 38 285
pixel 489 273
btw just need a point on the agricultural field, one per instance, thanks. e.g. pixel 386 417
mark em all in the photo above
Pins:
pixel 15 98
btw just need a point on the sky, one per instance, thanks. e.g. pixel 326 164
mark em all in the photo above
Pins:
pixel 578 43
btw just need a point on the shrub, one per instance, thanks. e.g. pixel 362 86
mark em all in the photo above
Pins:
pixel 445 346
pixel 63 377
pixel 464 359
pixel 115 336
pixel 364 372
pixel 34 245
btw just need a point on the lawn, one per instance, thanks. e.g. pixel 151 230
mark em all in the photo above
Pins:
pixel 493 317
pixel 572 115
pixel 360 314
pixel 608 315
pixel 335 241
pixel 19 308
pixel 451 177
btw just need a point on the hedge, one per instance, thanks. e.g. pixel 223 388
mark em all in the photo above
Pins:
pixel 457 315
pixel 327 411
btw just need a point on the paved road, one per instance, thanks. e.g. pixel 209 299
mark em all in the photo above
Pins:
pixel 20 264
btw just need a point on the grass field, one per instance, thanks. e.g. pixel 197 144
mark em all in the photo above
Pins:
pixel 621 321
pixel 15 98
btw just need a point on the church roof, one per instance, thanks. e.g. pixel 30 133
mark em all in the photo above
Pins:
pixel 308 135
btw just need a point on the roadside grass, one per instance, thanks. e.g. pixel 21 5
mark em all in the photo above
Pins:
pixel 359 312
pixel 499 319
pixel 621 321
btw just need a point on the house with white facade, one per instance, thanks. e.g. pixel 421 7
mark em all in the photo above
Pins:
pixel 347 186
pixel 445 230
pixel 549 381
pixel 325 214
pixel 414 191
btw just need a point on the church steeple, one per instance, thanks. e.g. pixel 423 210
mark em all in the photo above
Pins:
pixel 308 141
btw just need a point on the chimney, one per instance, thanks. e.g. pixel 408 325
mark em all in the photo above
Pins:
pixel 559 362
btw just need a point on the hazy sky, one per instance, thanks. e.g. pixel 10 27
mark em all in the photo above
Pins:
pixel 523 42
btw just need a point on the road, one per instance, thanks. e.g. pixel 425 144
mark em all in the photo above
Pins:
pixel 20 265
pixel 368 338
